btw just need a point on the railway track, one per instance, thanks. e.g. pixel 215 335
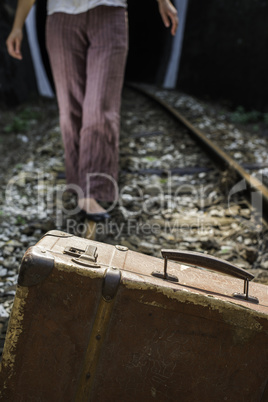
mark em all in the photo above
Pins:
pixel 223 160
pixel 170 187
pixel 171 196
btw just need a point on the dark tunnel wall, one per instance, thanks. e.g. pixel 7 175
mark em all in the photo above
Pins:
pixel 149 41
pixel 17 78
pixel 225 51
pixel 149 49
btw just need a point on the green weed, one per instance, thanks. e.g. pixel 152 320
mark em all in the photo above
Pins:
pixel 242 116
pixel 20 220
pixel 22 122
pixel 150 158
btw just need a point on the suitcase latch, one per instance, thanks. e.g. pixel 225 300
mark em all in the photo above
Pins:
pixel 87 257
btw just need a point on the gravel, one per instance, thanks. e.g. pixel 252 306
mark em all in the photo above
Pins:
pixel 190 210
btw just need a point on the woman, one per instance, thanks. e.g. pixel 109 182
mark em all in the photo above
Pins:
pixel 87 43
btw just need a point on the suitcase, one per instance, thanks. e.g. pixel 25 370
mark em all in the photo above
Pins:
pixel 96 322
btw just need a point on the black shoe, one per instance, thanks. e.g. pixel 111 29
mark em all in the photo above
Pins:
pixel 98 217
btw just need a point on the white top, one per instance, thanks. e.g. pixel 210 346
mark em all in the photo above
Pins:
pixel 80 6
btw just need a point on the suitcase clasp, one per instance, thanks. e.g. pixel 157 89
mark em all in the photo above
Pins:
pixel 87 257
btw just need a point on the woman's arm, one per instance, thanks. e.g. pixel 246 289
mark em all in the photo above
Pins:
pixel 15 37
pixel 168 13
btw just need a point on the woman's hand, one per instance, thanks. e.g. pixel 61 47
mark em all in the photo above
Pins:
pixel 13 43
pixel 15 37
pixel 169 14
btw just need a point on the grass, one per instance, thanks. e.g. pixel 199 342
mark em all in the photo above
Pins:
pixel 241 116
pixel 20 220
pixel 22 122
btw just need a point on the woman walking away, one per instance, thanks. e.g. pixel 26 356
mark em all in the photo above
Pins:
pixel 87 44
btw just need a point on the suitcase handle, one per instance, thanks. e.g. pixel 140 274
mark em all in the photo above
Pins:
pixel 208 262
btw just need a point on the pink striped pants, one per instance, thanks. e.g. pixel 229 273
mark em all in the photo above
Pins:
pixel 87 53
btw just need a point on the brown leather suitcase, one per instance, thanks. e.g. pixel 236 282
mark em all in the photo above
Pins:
pixel 96 322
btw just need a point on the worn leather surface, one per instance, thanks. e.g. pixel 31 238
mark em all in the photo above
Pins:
pixel 151 340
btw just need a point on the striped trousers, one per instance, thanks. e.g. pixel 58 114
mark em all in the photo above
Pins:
pixel 87 53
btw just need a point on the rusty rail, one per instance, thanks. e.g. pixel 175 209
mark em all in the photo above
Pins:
pixel 221 158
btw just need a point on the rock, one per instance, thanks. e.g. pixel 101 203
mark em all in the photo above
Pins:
pixel 217 212
pixel 10 262
pixel 3 272
pixel 261 276
pixel 126 243
pixel 250 254
pixel 264 262
pixel 135 240
pixel 246 213
pixel 169 237
pixel 233 210
pixel 3 312
pixel 147 248
pixel 8 250
pixel 14 243
pixel 209 244
pixel 128 215
pixel 153 191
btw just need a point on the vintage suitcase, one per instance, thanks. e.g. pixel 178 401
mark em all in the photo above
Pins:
pixel 96 322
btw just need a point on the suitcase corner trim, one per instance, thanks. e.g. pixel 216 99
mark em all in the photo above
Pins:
pixel 36 266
